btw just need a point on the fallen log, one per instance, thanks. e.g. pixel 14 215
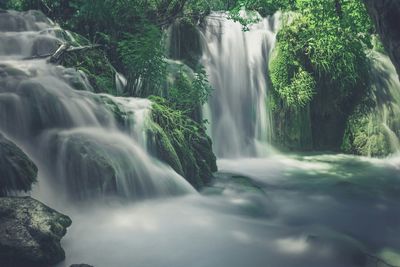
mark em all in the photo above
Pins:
pixel 61 51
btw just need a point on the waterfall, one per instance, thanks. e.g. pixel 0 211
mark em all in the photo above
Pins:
pixel 85 145
pixel 237 65
pixel 386 94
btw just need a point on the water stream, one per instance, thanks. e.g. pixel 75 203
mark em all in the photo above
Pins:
pixel 73 135
pixel 236 63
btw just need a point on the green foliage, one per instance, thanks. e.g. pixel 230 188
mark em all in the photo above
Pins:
pixel 294 85
pixel 321 45
pixel 143 57
pixel 186 94
pixel 246 18
pixel 95 65
pixel 244 10
pixel 264 7
pixel 301 90
pixel 56 9
pixel 332 43
pixel 17 169
pixel 357 19
pixel 365 135
pixel 181 142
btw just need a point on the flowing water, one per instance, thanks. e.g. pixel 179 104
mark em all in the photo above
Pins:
pixel 281 210
pixel 236 63
pixel 386 92
pixel 292 211
pixel 75 138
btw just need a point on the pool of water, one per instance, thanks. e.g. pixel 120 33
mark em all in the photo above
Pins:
pixel 280 211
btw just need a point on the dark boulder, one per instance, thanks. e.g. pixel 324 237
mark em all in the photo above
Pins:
pixel 30 233
pixel 17 171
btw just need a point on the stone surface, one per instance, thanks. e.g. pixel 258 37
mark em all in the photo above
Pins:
pixel 17 171
pixel 30 233
pixel 386 17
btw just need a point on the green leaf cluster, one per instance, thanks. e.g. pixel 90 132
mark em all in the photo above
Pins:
pixel 142 55
pixel 322 44
pixel 181 142
pixel 187 94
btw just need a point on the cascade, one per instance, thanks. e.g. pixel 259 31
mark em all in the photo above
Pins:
pixel 236 62
pixel 85 144
pixel 386 93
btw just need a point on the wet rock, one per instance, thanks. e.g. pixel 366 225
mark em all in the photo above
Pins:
pixel 182 143
pixel 17 171
pixel 30 233
pixel 44 45
pixel 386 16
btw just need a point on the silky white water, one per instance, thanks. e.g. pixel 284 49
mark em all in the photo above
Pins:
pixel 311 211
pixel 86 145
pixel 237 65
pixel 386 94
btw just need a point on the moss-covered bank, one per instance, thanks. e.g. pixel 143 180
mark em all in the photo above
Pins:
pixel 181 142
pixel 30 233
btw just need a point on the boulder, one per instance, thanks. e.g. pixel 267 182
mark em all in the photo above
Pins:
pixel 17 171
pixel 182 143
pixel 30 233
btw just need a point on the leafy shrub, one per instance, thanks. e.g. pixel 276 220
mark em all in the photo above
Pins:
pixel 143 57
pixel 321 45
pixel 294 85
pixel 187 94
pixel 181 142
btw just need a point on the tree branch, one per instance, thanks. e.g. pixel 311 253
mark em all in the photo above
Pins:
pixel 61 51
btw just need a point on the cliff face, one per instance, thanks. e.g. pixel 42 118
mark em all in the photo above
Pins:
pixel 386 16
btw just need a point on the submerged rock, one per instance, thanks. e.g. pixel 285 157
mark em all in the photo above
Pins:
pixel 17 171
pixel 30 233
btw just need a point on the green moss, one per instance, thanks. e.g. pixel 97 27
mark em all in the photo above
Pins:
pixel 181 142
pixel 294 85
pixel 292 128
pixel 163 148
pixel 319 72
pixel 365 135
pixel 18 172
pixel 95 65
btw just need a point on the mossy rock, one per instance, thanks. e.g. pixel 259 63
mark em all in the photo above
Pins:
pixel 93 62
pixel 182 143
pixel 17 171
pixel 234 182
pixel 365 134
pixel 30 233
pixel 97 68
pixel 90 169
